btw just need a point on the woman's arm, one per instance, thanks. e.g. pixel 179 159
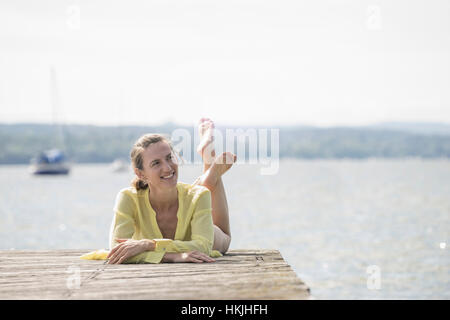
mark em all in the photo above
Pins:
pixel 128 248
pixel 202 230
pixel 123 227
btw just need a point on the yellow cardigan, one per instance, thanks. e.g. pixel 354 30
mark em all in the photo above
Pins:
pixel 135 218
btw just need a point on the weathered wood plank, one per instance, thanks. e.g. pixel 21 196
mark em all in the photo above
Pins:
pixel 60 274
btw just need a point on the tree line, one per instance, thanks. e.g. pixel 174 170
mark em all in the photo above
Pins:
pixel 95 144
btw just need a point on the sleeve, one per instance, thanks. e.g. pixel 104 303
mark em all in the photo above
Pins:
pixel 202 230
pixel 123 226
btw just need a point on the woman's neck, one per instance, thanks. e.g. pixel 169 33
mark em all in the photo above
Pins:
pixel 163 200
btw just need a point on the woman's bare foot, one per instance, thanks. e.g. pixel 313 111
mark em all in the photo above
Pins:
pixel 220 165
pixel 206 145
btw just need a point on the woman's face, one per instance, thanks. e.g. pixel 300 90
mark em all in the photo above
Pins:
pixel 160 169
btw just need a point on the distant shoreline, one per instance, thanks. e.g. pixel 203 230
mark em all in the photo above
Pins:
pixel 400 159
pixel 95 144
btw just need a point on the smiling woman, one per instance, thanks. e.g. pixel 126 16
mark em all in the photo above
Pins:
pixel 194 217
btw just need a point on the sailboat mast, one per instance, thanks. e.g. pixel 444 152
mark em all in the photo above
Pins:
pixel 56 105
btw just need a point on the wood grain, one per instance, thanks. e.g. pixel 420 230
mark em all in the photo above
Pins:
pixel 240 274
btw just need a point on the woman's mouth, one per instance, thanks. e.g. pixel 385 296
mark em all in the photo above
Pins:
pixel 168 177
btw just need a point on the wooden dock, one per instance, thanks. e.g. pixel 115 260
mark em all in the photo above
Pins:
pixel 61 274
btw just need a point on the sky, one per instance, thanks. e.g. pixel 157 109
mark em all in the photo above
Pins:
pixel 322 63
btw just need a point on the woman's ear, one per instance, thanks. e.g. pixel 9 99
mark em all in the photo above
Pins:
pixel 138 173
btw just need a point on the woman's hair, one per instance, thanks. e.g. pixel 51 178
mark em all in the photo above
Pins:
pixel 138 149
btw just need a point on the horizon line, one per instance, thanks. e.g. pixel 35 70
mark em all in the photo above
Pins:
pixel 173 123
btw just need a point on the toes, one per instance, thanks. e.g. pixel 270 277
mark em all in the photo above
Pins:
pixel 206 122
pixel 226 158
pixel 204 126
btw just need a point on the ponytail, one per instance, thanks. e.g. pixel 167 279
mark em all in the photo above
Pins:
pixel 139 184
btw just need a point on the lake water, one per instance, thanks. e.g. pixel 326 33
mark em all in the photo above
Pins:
pixel 351 229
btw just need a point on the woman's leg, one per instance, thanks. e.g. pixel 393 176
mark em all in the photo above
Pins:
pixel 213 169
pixel 211 179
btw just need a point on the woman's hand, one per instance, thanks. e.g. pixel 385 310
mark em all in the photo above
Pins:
pixel 128 248
pixel 191 256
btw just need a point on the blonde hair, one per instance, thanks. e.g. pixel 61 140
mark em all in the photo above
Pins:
pixel 138 149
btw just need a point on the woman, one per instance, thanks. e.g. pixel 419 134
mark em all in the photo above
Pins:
pixel 158 206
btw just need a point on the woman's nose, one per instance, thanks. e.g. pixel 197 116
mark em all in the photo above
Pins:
pixel 168 165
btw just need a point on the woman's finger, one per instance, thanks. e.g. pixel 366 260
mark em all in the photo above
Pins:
pixel 114 250
pixel 117 255
pixel 203 257
pixel 207 259
pixel 197 255
pixel 122 258
pixel 116 247
pixel 112 259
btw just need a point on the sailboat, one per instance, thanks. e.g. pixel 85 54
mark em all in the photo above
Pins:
pixel 51 161
pixel 119 165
